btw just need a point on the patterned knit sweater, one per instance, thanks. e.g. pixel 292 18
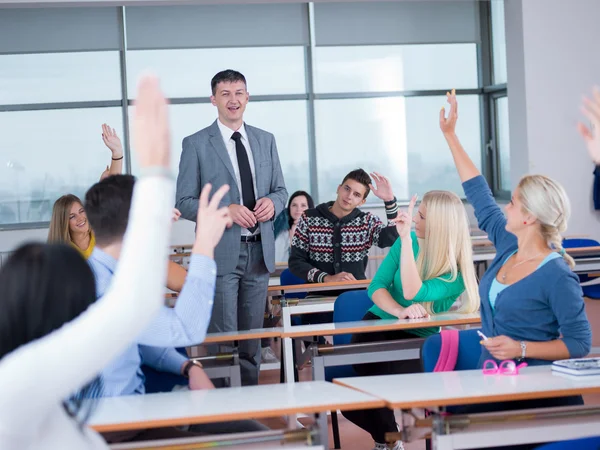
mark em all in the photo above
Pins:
pixel 326 245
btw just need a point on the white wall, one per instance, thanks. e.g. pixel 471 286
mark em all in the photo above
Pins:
pixel 553 58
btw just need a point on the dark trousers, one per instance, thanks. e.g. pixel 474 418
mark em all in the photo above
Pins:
pixel 379 421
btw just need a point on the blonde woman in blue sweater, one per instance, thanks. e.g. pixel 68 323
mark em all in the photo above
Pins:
pixel 531 302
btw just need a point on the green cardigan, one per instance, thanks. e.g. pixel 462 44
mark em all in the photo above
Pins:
pixel 442 292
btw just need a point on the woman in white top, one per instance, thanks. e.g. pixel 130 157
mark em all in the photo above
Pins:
pixel 54 337
pixel 299 202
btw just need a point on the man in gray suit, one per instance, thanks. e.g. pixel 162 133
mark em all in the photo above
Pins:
pixel 232 152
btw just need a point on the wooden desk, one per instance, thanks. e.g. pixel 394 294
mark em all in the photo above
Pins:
pixel 362 326
pixel 367 326
pixel 466 387
pixel 243 335
pixel 318 287
pixel 218 405
pixel 472 387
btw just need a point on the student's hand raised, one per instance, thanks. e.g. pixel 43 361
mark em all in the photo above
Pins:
pixel 383 188
pixel 112 141
pixel 404 219
pixel 151 125
pixel 211 221
pixel 591 110
pixel 448 124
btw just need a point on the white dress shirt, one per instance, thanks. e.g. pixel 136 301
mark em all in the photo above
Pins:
pixel 227 132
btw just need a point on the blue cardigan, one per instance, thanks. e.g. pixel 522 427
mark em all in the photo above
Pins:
pixel 544 306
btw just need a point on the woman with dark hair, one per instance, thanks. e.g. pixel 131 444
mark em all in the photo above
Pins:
pixel 299 202
pixel 54 336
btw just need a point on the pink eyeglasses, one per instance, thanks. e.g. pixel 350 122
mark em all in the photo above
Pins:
pixel 506 367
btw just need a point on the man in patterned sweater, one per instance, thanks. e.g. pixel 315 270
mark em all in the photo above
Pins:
pixel 332 241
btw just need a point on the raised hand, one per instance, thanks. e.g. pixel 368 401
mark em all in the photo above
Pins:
pixel 211 220
pixel 404 219
pixel 112 141
pixel 591 110
pixel 448 124
pixel 383 188
pixel 151 125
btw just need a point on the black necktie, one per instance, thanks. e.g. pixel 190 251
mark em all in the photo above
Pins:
pixel 249 200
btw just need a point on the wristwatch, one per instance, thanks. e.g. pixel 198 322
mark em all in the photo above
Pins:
pixel 188 367
pixel 523 349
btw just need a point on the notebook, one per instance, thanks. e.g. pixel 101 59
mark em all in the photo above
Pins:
pixel 578 367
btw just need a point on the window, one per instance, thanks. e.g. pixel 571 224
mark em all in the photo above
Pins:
pixel 498 42
pixel 387 68
pixel 502 142
pixel 49 153
pixel 59 77
pixel 187 73
pixel 285 119
pixel 396 136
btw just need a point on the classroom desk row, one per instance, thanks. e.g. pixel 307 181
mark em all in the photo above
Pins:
pixel 404 392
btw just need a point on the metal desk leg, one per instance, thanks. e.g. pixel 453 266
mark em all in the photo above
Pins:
pixel 323 429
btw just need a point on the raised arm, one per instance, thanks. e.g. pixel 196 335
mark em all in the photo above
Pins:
pixel 384 236
pixel 591 135
pixel 489 215
pixel 466 168
pixel 112 141
pixel 99 334
pixel 188 181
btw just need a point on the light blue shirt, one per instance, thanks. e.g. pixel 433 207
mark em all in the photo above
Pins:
pixel 184 325
pixel 498 287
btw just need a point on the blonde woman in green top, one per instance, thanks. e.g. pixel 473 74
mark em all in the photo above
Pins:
pixel 424 273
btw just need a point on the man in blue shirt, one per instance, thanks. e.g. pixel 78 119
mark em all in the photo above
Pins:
pixel 107 207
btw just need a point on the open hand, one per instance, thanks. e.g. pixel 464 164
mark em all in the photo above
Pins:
pixel 591 136
pixel 383 188
pixel 448 124
pixel 211 220
pixel 112 141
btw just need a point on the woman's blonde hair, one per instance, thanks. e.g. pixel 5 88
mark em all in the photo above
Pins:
pixel 59 223
pixel 447 246
pixel 547 200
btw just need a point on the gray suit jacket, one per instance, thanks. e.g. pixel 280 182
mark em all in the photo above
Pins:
pixel 204 159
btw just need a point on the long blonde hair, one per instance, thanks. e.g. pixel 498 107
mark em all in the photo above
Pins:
pixel 447 246
pixel 59 223
pixel 547 200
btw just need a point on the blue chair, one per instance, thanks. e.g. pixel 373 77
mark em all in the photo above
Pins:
pixel 156 381
pixel 592 443
pixel 348 307
pixel 287 278
pixel 469 351
pixel 589 291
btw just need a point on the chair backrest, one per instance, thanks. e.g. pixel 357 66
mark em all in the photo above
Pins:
pixel 287 278
pixel 469 351
pixel 349 307
pixel 577 243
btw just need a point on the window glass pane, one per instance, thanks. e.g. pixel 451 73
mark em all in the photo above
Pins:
pixel 289 129
pixel 498 41
pixel 59 77
pixel 46 154
pixel 503 142
pixel 385 68
pixel 187 73
pixel 398 137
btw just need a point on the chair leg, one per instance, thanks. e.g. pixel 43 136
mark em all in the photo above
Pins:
pixel 336 430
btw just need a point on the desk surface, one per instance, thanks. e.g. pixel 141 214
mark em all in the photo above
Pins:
pixel 219 405
pixel 366 326
pixel 228 336
pixel 469 387
pixel 316 287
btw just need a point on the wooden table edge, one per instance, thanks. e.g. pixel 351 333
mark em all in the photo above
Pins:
pixel 476 400
pixel 374 328
pixel 371 404
pixel 241 337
